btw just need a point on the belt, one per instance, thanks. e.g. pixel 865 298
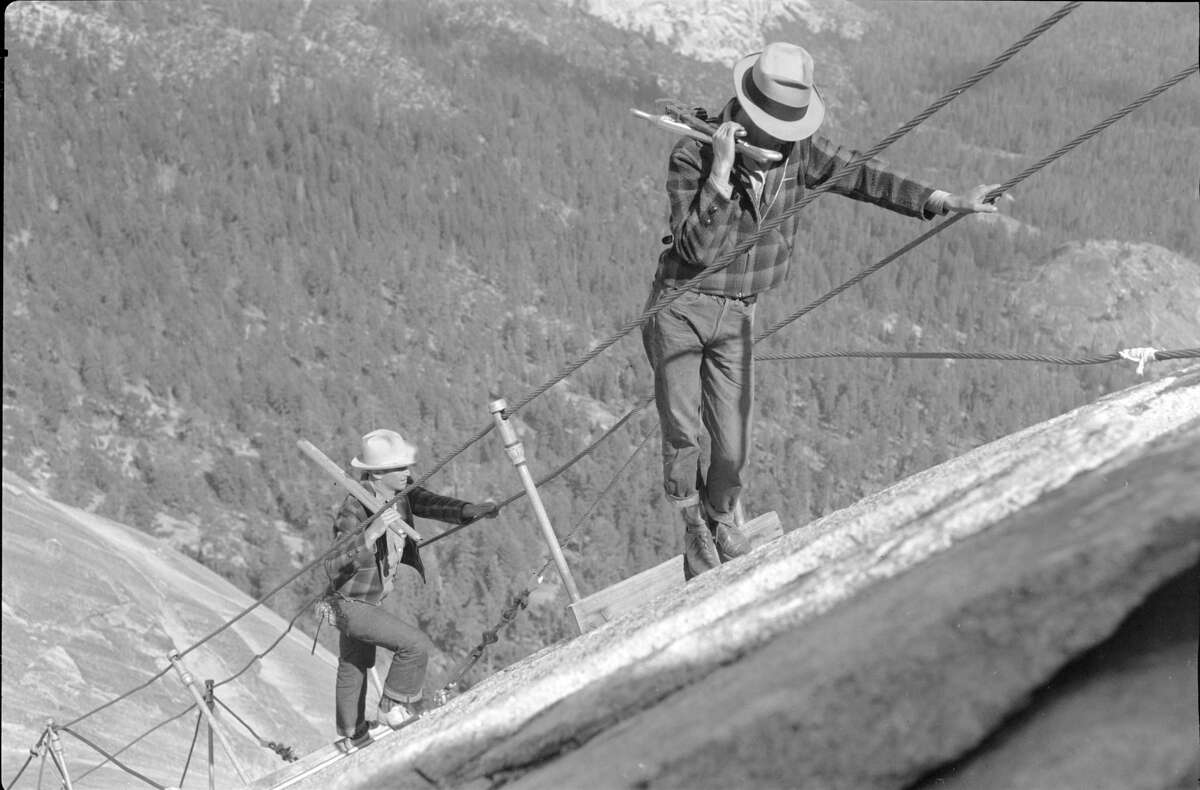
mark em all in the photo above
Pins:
pixel 746 300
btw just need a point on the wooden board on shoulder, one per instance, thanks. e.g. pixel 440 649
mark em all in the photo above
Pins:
pixel 630 594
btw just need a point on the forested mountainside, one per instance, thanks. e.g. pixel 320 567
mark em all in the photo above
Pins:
pixel 228 226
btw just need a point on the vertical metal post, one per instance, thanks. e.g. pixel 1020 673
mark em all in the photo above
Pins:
pixel 516 453
pixel 212 764
pixel 56 753
pixel 190 682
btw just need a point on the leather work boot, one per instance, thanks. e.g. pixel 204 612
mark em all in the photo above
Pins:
pixel 731 541
pixel 699 550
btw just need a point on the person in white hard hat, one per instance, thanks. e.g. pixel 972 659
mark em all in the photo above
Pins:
pixel 700 347
pixel 363 574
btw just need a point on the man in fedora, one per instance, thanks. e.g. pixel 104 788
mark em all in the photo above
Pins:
pixel 700 347
pixel 363 573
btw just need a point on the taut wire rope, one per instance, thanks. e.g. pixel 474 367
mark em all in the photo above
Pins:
pixel 113 759
pixel 291 624
pixel 554 474
pixel 995 193
pixel 1000 190
pixel 1034 168
pixel 1097 359
pixel 662 303
pixel 137 740
pixel 521 599
pixel 668 298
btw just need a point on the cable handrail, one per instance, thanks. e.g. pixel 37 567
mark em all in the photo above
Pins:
pixel 995 193
pixel 112 759
pixel 1185 353
pixel 667 298
pixel 999 356
pixel 1032 169
pixel 137 740
pixel 1061 151
pixel 257 656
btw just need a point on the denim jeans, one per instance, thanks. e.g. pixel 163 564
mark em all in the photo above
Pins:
pixel 701 350
pixel 364 627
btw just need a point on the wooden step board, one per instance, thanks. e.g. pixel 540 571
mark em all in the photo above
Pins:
pixel 314 763
pixel 632 593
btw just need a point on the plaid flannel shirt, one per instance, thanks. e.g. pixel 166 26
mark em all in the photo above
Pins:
pixel 706 226
pixel 367 572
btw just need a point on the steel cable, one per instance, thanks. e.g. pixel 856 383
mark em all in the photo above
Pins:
pixel 997 192
pixel 138 739
pixel 1058 153
pixel 662 303
pixel 766 228
pixel 257 656
pixel 1188 353
pixel 112 759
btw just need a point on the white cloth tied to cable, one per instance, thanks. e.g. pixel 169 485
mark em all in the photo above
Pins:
pixel 1140 356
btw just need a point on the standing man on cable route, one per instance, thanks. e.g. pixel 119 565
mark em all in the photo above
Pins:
pixel 362 575
pixel 700 347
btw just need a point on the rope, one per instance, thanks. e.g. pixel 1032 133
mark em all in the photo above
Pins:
pixel 139 738
pixel 993 195
pixel 257 656
pixel 117 699
pixel 286 753
pixel 521 599
pixel 662 303
pixel 191 749
pixel 1095 130
pixel 772 330
pixel 862 275
pixel 112 759
pixel 210 636
pixel 604 492
pixel 34 751
pixel 766 228
pixel 551 476
pixel 1129 354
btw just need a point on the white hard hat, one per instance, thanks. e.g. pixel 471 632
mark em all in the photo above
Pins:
pixel 384 449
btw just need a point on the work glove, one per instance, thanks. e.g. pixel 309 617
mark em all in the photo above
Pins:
pixel 473 511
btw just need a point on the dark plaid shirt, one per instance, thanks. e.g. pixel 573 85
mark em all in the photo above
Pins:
pixel 706 226
pixel 366 572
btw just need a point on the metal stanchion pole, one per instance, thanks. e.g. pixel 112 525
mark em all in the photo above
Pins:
pixel 56 754
pixel 212 763
pixel 516 453
pixel 190 683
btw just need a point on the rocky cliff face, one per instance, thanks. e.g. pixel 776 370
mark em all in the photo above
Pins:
pixel 725 32
pixel 91 610
pixel 1021 616
pixel 1112 294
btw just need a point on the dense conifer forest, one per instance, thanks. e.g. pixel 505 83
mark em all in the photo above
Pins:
pixel 208 257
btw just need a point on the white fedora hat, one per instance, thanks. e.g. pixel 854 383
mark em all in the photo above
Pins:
pixel 775 88
pixel 384 449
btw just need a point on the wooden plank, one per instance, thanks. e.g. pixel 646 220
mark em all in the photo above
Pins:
pixel 629 594
pixel 371 501
pixel 318 761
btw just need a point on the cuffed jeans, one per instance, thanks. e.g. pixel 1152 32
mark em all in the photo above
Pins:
pixel 701 350
pixel 364 627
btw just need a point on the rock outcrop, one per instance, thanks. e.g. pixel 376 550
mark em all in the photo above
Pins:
pixel 91 610
pixel 1007 619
